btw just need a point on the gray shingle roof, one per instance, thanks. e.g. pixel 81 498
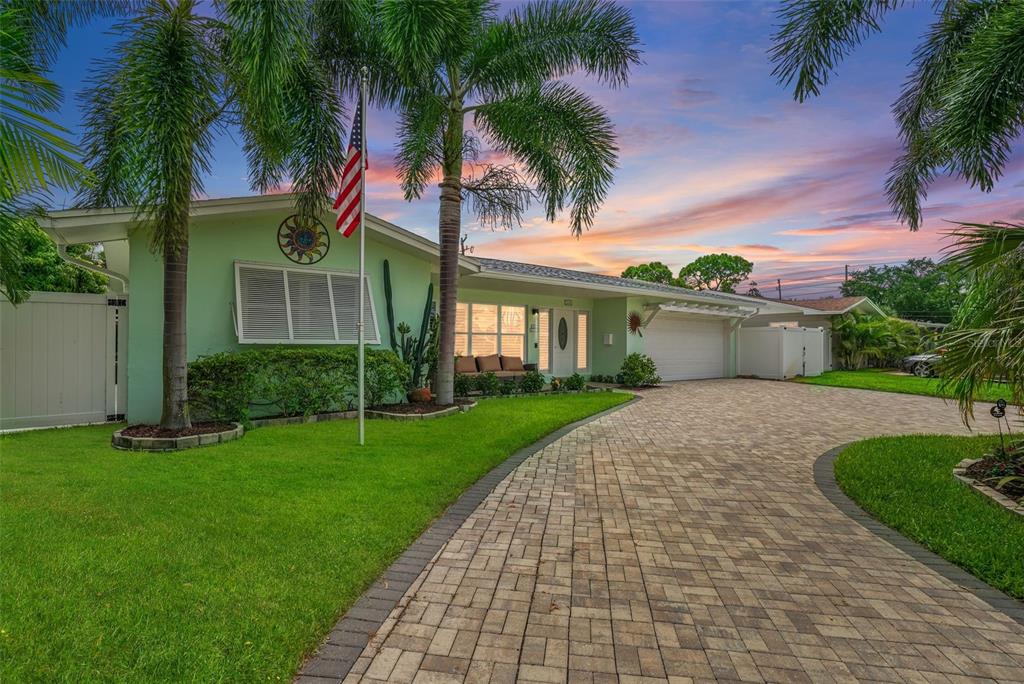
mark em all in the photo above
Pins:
pixel 538 271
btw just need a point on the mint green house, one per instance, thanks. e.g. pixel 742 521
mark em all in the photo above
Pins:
pixel 244 289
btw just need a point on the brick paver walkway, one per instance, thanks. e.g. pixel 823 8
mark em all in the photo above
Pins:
pixel 682 539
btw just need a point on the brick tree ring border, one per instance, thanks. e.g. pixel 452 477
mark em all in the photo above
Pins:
pixel 960 473
pixel 825 480
pixel 338 652
pixel 129 443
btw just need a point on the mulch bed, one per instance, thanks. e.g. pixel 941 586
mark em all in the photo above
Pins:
pixel 413 409
pixel 156 431
pixel 994 467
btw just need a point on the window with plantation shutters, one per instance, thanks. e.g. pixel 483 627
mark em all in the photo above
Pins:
pixel 277 305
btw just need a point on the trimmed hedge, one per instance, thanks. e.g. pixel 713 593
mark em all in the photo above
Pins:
pixel 297 381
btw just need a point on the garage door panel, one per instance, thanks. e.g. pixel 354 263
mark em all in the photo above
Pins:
pixel 687 348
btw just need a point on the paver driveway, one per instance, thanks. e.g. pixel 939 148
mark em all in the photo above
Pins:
pixel 681 539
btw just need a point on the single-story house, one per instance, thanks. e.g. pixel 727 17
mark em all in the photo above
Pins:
pixel 255 279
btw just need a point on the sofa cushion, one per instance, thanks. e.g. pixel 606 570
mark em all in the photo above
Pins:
pixel 511 363
pixel 488 363
pixel 465 364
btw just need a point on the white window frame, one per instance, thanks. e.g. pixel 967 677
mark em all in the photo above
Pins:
pixel 469 327
pixel 370 336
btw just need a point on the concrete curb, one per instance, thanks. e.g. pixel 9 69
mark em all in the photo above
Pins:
pixel 825 479
pixel 350 635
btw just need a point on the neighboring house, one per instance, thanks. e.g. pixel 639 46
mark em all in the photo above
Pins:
pixel 243 290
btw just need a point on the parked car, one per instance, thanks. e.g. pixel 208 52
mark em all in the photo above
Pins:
pixel 922 365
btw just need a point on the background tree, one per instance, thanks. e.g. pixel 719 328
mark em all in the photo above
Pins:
pixel 153 111
pixel 442 61
pixel 920 289
pixel 42 270
pixel 720 272
pixel 653 272
pixel 962 105
pixel 753 290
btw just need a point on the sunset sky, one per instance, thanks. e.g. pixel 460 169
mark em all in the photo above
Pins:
pixel 715 156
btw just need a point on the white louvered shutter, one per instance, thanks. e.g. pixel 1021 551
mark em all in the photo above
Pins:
pixel 263 311
pixel 310 299
pixel 346 309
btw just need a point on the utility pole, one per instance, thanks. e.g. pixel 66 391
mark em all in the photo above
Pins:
pixel 778 284
pixel 847 276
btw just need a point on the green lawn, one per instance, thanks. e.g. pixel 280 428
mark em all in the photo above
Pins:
pixel 908 483
pixel 226 563
pixel 889 381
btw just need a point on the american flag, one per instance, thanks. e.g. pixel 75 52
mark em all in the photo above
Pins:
pixel 350 196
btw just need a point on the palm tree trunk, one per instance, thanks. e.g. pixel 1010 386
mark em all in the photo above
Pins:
pixel 175 364
pixel 449 228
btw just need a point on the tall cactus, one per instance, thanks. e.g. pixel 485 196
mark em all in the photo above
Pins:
pixel 412 350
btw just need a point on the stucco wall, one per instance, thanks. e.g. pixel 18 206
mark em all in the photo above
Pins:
pixel 215 244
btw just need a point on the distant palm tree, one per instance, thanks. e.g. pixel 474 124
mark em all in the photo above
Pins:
pixel 443 60
pixel 154 108
pixel 961 108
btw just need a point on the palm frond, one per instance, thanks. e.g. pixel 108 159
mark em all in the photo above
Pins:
pixel 565 142
pixel 420 130
pixel 547 40
pixel 977 246
pixel 816 35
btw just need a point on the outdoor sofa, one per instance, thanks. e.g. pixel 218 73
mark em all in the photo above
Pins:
pixel 506 367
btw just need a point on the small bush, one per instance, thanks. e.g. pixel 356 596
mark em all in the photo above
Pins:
pixel 638 370
pixel 532 382
pixel 221 387
pixel 488 383
pixel 464 384
pixel 556 384
pixel 575 382
pixel 509 386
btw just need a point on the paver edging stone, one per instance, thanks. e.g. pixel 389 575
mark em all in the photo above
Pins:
pixel 128 443
pixel 345 642
pixel 825 480
pixel 960 473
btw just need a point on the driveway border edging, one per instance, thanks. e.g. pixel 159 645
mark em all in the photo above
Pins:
pixel 353 630
pixel 825 480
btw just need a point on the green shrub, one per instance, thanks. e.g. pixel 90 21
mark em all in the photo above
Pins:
pixel 556 384
pixel 638 370
pixel 508 386
pixel 488 383
pixel 222 387
pixel 294 381
pixel 532 382
pixel 575 382
pixel 464 384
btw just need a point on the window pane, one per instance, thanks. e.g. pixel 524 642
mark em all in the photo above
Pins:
pixel 462 317
pixel 311 306
pixel 582 335
pixel 513 320
pixel 485 320
pixel 461 344
pixel 484 345
pixel 543 340
pixel 261 304
pixel 512 345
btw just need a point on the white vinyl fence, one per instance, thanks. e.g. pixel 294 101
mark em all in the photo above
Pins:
pixel 63 360
pixel 782 353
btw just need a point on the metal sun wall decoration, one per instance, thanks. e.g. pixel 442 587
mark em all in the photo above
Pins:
pixel 303 241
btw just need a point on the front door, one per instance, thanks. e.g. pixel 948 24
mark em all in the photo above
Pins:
pixel 563 325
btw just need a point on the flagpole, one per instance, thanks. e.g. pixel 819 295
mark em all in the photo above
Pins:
pixel 362 258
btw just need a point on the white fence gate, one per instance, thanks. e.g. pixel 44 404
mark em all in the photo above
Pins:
pixel 782 353
pixel 63 360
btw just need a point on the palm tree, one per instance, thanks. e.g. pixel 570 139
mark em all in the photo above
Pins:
pixel 962 106
pixel 440 61
pixel 986 338
pixel 153 111
pixel 35 153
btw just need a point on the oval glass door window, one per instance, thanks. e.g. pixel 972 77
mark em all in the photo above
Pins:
pixel 563 333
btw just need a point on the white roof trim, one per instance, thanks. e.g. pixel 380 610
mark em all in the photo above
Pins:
pixel 709 310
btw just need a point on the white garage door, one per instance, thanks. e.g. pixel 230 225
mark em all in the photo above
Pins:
pixel 686 348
